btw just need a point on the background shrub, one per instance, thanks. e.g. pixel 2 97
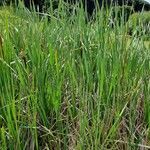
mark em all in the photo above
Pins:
pixel 139 24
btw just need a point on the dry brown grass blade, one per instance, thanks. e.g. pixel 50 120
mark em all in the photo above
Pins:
pixel 22 56
pixel 141 146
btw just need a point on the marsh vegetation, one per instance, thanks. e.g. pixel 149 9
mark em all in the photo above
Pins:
pixel 66 83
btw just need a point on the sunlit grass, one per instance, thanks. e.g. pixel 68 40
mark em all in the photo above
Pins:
pixel 66 83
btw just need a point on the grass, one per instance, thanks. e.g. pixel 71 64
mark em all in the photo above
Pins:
pixel 69 84
pixel 141 21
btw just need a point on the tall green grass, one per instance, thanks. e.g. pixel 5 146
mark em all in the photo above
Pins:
pixel 66 83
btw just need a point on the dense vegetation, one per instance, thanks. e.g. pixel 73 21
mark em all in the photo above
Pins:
pixel 66 83
pixel 141 22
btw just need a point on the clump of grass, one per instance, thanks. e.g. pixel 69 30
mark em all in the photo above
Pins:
pixel 139 24
pixel 69 84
